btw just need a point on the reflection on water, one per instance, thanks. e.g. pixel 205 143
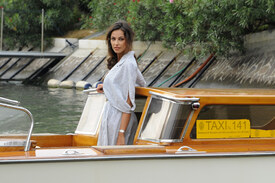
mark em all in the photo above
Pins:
pixel 55 110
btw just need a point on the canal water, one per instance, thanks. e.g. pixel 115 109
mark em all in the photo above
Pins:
pixel 55 110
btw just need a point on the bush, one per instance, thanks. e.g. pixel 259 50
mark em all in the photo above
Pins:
pixel 215 26
pixel 199 25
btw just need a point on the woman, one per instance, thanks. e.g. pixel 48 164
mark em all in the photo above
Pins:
pixel 119 122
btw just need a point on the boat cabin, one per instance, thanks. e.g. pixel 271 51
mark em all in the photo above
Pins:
pixel 171 120
pixel 211 120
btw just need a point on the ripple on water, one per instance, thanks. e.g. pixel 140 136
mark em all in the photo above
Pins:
pixel 55 110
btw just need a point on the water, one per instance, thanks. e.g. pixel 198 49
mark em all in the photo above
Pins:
pixel 55 110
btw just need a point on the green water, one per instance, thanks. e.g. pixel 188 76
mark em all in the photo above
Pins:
pixel 55 110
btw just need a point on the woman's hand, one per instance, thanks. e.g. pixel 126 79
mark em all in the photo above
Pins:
pixel 99 88
pixel 120 139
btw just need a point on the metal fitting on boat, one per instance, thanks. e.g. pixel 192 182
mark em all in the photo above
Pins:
pixel 195 105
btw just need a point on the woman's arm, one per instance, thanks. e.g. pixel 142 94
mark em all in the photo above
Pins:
pixel 125 118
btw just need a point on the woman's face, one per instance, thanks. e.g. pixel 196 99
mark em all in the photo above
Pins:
pixel 118 42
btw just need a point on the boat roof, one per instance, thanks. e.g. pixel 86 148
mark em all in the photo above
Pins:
pixel 200 92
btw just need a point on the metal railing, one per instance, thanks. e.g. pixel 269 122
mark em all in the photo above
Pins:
pixel 185 99
pixel 12 104
pixel 8 101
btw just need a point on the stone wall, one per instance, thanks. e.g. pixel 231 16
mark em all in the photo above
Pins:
pixel 254 69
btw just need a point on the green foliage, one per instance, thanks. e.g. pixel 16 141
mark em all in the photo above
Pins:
pixel 216 26
pixel 22 23
pixel 201 26
pixel 104 13
pixel 145 18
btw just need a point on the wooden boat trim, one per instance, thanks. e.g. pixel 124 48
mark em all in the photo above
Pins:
pixel 207 93
pixel 29 159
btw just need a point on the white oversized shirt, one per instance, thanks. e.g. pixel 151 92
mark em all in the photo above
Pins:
pixel 118 84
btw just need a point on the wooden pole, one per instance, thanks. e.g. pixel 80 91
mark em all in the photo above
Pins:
pixel 2 27
pixel 42 31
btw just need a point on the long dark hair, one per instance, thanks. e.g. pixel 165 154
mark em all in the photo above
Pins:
pixel 129 35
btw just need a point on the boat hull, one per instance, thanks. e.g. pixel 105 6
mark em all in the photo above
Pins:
pixel 224 168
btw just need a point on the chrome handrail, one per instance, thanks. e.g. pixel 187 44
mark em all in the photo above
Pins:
pixel 174 98
pixel 9 101
pixel 27 146
pixel 91 91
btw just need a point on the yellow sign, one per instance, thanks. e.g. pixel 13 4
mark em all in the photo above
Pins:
pixel 223 128
pixel 262 133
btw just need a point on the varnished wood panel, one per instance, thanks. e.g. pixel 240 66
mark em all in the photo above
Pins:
pixel 49 140
pixel 84 140
pixel 128 149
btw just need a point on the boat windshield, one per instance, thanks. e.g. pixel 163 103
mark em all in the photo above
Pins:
pixel 165 120
pixel 91 116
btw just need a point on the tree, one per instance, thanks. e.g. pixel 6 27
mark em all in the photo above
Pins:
pixel 22 23
pixel 104 13
pixel 198 25
pixel 146 17
pixel 215 25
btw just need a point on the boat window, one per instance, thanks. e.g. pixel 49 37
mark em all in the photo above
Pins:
pixel 164 120
pixel 140 103
pixel 235 121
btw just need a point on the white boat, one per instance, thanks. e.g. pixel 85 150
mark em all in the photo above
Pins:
pixel 185 135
